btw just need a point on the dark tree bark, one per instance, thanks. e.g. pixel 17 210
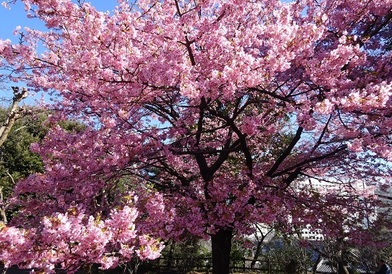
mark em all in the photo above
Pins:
pixel 221 247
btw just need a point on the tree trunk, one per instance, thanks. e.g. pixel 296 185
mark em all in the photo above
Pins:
pixel 12 114
pixel 2 207
pixel 257 253
pixel 342 269
pixel 221 247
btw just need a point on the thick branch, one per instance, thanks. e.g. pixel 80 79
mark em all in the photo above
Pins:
pixel 200 158
pixel 292 176
pixel 272 94
pixel 13 113
pixel 2 207
pixel 241 138
pixel 310 160
pixel 319 141
pixel 190 52
pixel 225 153
pixel 286 152
pixel 372 30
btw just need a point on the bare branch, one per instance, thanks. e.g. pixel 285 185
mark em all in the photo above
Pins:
pixel 286 152
pixel 13 113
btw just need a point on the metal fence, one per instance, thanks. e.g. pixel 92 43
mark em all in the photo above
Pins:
pixel 204 265
pixel 185 266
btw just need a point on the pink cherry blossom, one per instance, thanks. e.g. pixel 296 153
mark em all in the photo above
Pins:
pixel 202 118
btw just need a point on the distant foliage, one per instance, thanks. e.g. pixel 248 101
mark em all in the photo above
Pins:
pixel 16 159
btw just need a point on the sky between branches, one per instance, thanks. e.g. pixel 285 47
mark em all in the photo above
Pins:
pixel 15 16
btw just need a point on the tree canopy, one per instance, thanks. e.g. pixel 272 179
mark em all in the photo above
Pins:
pixel 203 117
pixel 16 157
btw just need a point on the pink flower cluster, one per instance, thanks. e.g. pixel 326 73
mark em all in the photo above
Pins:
pixel 72 239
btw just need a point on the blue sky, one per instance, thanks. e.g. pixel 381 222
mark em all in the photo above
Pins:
pixel 16 16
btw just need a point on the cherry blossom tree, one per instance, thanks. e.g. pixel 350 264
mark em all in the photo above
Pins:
pixel 210 112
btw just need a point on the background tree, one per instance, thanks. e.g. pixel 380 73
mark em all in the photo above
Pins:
pixel 185 255
pixel 341 252
pixel 13 114
pixel 262 235
pixel 8 119
pixel 288 255
pixel 16 159
pixel 201 91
